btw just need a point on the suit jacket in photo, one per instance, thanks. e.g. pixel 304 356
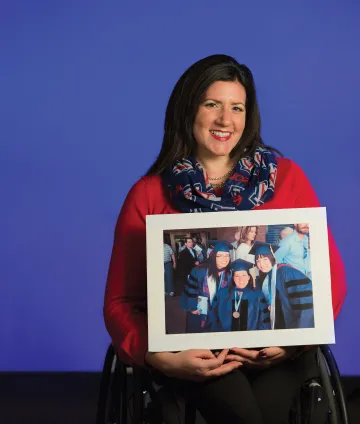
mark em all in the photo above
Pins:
pixel 186 262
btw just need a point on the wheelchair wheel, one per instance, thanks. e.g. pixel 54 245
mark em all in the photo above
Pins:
pixel 112 402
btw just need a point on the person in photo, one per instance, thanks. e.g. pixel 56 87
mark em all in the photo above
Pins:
pixel 287 290
pixel 169 268
pixel 247 238
pixel 239 307
pixel 294 249
pixel 203 284
pixel 187 260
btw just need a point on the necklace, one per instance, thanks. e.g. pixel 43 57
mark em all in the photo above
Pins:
pixel 218 185
pixel 220 178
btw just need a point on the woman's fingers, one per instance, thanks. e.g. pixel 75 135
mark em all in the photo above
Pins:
pixel 222 355
pixel 214 362
pixel 202 353
pixel 237 358
pixel 223 369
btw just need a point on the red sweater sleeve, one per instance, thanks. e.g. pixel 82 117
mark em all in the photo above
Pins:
pixel 125 295
pixel 306 198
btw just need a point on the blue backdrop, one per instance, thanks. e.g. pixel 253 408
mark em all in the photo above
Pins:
pixel 84 86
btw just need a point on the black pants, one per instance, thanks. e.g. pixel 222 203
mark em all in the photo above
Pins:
pixel 248 396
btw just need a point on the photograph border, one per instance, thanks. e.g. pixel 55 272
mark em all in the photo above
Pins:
pixel 323 333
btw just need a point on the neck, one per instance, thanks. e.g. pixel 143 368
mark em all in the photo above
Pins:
pixel 301 236
pixel 215 166
pixel 249 242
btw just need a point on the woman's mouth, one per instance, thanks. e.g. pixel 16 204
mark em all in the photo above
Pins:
pixel 221 135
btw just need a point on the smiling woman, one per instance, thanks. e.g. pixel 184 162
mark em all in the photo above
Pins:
pixel 212 133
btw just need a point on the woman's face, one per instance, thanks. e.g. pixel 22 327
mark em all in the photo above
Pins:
pixel 222 259
pixel 241 279
pixel 220 119
pixel 251 235
pixel 264 264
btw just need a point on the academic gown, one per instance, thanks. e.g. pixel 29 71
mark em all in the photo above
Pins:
pixel 195 286
pixel 254 312
pixel 293 299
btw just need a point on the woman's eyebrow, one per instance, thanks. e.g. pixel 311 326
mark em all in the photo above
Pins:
pixel 219 101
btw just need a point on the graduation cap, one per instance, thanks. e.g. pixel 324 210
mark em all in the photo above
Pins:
pixel 241 265
pixel 221 245
pixel 261 248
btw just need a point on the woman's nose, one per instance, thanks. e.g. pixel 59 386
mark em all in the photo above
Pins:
pixel 224 117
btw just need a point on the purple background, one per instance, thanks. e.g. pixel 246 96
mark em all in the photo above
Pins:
pixel 84 86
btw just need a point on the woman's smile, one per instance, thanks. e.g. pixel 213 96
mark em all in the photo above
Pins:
pixel 221 135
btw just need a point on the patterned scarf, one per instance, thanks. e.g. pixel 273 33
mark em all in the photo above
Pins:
pixel 251 184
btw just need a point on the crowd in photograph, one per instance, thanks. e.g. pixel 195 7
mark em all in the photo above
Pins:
pixel 243 284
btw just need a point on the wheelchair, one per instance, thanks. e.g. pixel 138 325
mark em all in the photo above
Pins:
pixel 129 395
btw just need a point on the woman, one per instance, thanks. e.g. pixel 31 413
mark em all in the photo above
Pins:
pixel 245 243
pixel 239 308
pixel 202 286
pixel 211 134
pixel 287 290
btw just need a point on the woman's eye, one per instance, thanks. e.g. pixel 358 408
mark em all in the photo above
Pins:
pixel 210 105
pixel 238 109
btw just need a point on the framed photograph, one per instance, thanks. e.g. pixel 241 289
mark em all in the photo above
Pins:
pixel 238 279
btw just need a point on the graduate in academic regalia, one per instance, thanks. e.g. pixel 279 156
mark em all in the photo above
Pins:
pixel 287 290
pixel 239 307
pixel 202 286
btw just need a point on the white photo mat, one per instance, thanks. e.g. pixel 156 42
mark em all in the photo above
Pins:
pixel 323 333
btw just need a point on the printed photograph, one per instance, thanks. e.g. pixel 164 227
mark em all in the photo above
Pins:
pixel 233 279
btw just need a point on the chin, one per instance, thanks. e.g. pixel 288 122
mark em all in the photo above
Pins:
pixel 222 150
pixel 222 153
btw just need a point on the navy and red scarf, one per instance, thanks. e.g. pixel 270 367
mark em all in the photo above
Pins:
pixel 251 184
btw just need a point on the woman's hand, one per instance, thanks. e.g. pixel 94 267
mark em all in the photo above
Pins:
pixel 260 359
pixel 196 312
pixel 196 365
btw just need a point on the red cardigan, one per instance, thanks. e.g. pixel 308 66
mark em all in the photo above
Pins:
pixel 125 296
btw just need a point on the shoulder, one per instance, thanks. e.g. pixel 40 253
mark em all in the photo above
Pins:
pixel 287 240
pixel 142 185
pixel 290 170
pixel 199 272
pixel 293 183
pixel 287 166
pixel 152 183
pixel 140 195
pixel 149 193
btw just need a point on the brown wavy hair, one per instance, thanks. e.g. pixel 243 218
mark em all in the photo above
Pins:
pixel 244 231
